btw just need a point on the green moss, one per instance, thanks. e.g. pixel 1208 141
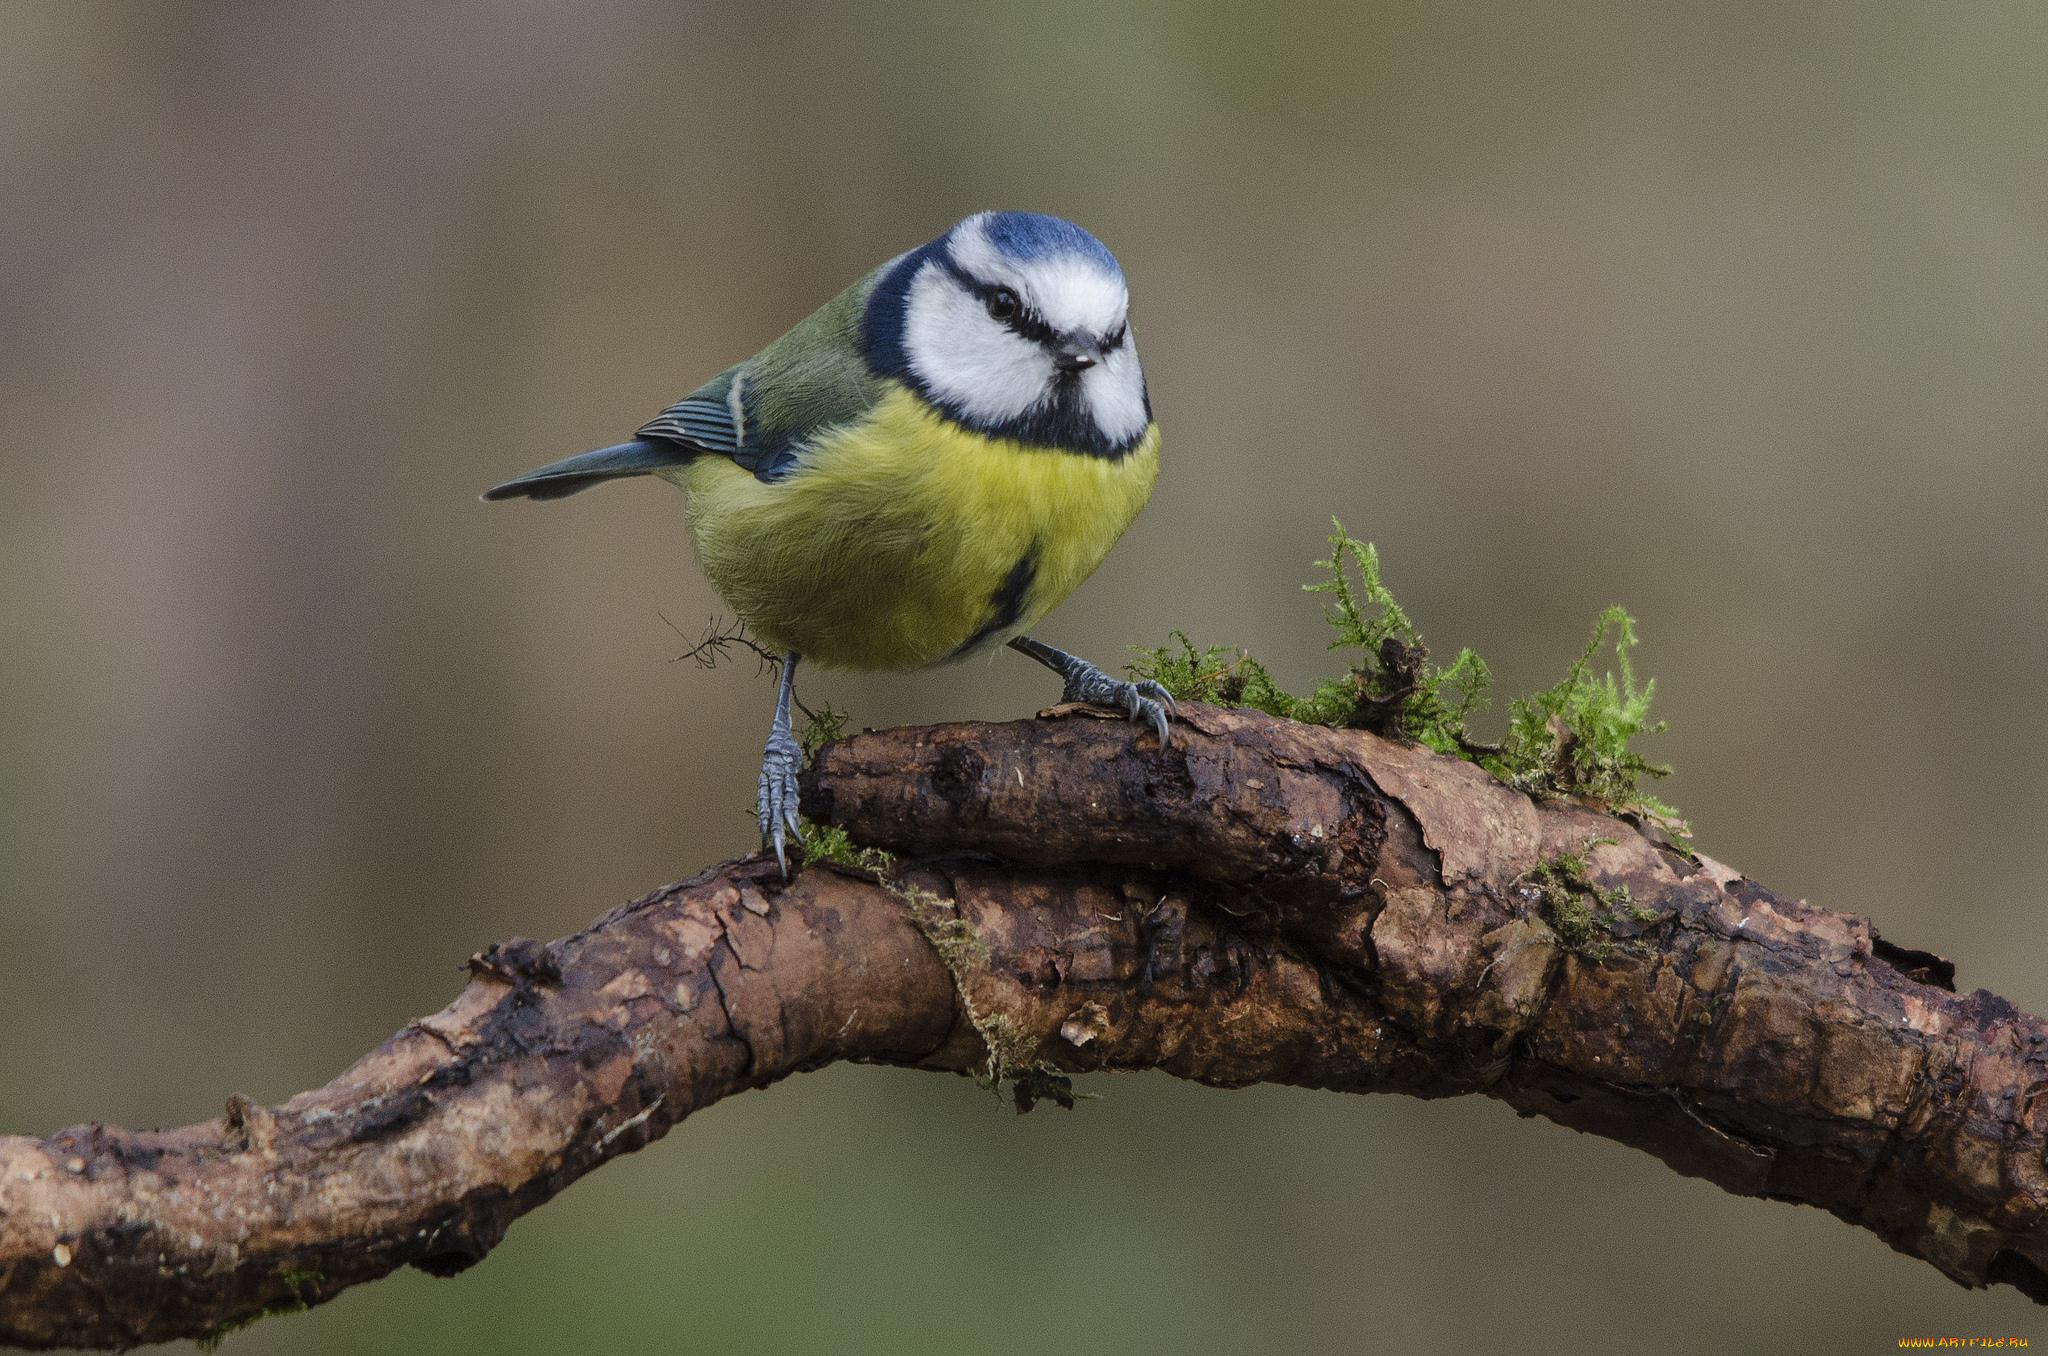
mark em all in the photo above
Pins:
pixel 1392 689
pixel 1582 914
pixel 821 727
pixel 1573 738
pixel 1216 674
pixel 952 936
pixel 830 843
pixel 1009 1046
pixel 1573 922
pixel 1395 689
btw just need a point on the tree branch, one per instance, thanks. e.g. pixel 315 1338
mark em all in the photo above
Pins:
pixel 1263 902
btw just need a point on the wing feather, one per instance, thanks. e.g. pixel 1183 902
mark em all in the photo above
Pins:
pixel 694 419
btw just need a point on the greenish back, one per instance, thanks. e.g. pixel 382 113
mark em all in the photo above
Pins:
pixel 766 411
pixel 811 379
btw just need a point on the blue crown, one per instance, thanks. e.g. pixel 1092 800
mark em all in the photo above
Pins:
pixel 1025 236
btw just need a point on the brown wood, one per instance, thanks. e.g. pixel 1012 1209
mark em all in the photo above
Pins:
pixel 1262 902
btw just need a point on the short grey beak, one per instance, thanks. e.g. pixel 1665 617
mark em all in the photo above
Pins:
pixel 1074 357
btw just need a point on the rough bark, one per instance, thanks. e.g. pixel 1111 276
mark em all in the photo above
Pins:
pixel 1263 902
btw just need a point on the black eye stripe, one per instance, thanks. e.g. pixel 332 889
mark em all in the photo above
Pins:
pixel 1026 322
pixel 1033 327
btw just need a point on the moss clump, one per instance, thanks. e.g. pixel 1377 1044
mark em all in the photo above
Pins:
pixel 821 727
pixel 830 843
pixel 1573 738
pixel 1216 674
pixel 952 936
pixel 1570 739
pixel 1392 689
pixel 1009 1046
pixel 1582 914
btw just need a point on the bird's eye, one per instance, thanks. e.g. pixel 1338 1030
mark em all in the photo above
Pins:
pixel 1003 304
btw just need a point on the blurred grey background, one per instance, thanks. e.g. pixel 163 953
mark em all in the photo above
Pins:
pixel 1736 314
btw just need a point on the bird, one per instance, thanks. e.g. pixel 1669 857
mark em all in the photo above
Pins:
pixel 916 472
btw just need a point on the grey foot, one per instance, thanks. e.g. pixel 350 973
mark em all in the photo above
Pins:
pixel 775 803
pixel 1144 701
pixel 781 761
pixel 1141 701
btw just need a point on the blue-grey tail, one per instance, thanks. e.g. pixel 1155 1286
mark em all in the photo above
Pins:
pixel 566 477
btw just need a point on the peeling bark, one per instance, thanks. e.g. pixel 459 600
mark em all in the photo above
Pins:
pixel 1262 902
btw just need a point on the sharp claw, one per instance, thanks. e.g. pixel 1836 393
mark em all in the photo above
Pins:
pixel 780 824
pixel 1144 701
pixel 775 804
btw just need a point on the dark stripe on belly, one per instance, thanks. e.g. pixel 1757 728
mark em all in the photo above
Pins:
pixel 1006 604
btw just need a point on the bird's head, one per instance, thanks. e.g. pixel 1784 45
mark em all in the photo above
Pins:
pixel 1015 324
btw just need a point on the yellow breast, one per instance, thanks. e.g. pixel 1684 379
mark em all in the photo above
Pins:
pixel 907 539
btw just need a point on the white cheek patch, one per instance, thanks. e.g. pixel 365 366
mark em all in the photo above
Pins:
pixel 989 373
pixel 1115 390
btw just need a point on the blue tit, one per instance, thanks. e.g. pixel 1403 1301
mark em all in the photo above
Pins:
pixel 918 471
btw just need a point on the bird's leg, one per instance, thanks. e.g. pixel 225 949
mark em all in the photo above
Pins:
pixel 1143 701
pixel 781 761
